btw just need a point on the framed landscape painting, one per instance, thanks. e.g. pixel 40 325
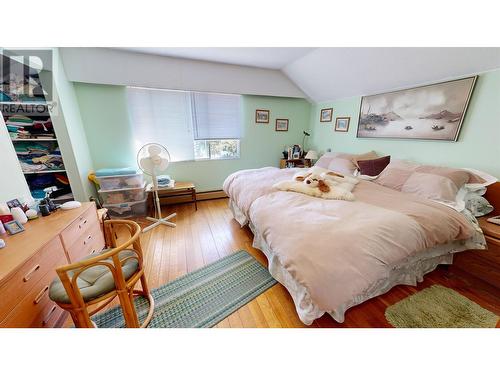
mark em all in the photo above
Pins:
pixel 434 112
pixel 281 125
pixel 262 116
pixel 342 124
pixel 326 115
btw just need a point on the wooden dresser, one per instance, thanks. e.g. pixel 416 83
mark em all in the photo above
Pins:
pixel 28 263
pixel 485 264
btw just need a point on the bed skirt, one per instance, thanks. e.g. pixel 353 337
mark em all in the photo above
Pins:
pixel 409 272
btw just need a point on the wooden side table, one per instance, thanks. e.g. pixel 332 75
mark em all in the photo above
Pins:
pixel 483 264
pixel 180 189
pixel 297 163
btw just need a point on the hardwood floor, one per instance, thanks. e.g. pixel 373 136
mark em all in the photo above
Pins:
pixel 210 233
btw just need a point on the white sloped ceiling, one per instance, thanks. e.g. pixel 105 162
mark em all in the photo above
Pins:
pixel 334 73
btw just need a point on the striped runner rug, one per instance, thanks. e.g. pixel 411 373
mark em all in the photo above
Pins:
pixel 201 298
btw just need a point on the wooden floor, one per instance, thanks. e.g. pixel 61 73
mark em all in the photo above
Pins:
pixel 203 236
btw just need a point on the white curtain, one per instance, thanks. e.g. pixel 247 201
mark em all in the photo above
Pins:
pixel 176 118
pixel 162 116
pixel 216 116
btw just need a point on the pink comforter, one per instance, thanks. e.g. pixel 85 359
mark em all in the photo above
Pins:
pixel 338 249
pixel 245 186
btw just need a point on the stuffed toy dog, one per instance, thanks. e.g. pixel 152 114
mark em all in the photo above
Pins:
pixel 321 183
pixel 316 181
pixel 323 172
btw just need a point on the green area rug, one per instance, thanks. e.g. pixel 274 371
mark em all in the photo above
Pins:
pixel 201 298
pixel 439 307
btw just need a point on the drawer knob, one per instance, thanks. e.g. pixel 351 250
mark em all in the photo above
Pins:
pixel 87 240
pixel 47 317
pixel 82 224
pixel 30 273
pixel 40 295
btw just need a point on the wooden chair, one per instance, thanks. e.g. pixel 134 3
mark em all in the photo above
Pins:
pixel 101 277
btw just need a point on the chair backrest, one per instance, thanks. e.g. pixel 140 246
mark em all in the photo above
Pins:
pixel 68 274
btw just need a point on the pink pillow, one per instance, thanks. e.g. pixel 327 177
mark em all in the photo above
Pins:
pixel 325 159
pixel 342 162
pixel 427 181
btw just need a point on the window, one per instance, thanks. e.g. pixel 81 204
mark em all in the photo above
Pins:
pixel 192 125
pixel 215 133
pixel 217 149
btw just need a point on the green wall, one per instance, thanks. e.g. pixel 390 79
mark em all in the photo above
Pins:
pixel 70 132
pixel 103 110
pixel 478 145
pixel 108 129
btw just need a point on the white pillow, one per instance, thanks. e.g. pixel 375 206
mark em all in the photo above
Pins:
pixel 488 180
pixel 468 195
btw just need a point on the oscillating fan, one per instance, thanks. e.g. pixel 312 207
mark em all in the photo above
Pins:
pixel 153 159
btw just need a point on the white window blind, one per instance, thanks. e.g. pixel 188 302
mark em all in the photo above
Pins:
pixel 216 116
pixel 164 117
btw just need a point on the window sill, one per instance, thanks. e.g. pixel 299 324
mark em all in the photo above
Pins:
pixel 195 160
pixel 207 159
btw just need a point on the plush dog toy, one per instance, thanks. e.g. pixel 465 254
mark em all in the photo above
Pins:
pixel 321 183
pixel 315 181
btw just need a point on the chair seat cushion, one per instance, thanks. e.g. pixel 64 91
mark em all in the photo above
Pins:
pixel 95 281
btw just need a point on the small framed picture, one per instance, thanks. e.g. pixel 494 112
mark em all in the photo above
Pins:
pixel 342 124
pixel 326 115
pixel 14 203
pixel 281 125
pixel 262 116
pixel 13 227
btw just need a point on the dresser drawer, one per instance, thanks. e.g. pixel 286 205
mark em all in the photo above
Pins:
pixel 15 288
pixel 493 241
pixel 78 227
pixel 35 310
pixel 483 264
pixel 91 241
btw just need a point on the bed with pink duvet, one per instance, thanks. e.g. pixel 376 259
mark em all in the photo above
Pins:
pixel 335 254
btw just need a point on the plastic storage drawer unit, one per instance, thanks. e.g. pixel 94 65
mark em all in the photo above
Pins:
pixel 127 209
pixel 123 195
pixel 128 181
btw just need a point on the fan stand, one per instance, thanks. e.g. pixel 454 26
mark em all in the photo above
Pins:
pixel 158 221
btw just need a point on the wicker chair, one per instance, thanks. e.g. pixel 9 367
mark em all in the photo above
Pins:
pixel 100 277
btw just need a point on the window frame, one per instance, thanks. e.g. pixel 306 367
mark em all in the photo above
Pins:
pixel 193 119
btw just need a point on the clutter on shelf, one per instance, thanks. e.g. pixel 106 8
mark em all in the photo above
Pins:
pixel 35 143
pixel 39 156
pixel 24 127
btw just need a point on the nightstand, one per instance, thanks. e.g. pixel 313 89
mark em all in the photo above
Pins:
pixel 483 264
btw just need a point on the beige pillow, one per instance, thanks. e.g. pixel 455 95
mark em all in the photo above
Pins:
pixel 368 156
